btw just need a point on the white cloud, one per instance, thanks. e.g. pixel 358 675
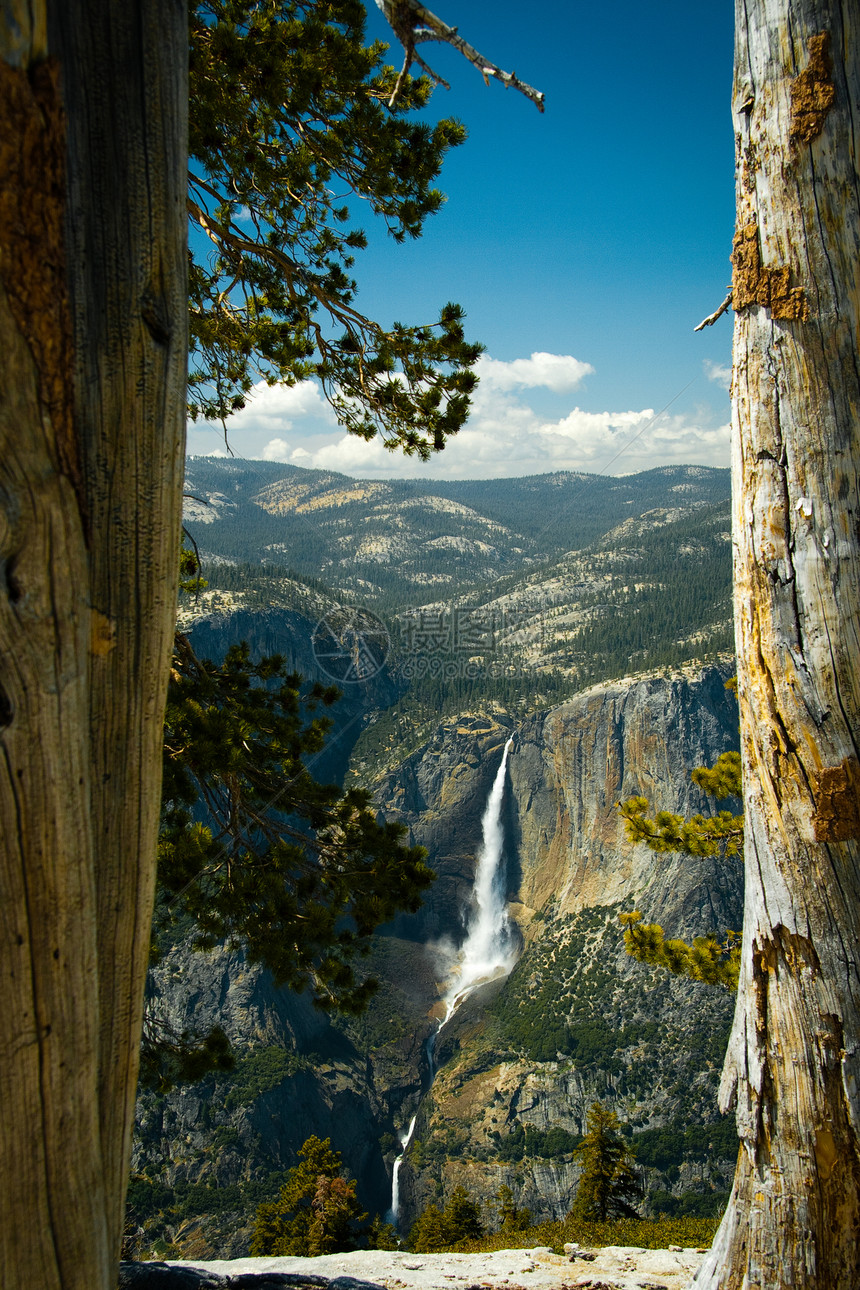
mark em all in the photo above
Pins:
pixel 557 372
pixel 353 456
pixel 256 431
pixel 510 431
pixel 719 373
pixel 280 407
pixel 276 450
pixel 589 430
pixel 515 441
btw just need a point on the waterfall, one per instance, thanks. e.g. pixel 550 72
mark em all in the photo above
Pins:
pixel 405 1138
pixel 489 950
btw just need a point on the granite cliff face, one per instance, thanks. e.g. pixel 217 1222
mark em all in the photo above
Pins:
pixel 576 762
pixel 440 793
pixel 522 1059
pixel 220 1146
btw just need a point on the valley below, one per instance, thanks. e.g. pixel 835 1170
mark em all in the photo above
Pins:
pixel 603 698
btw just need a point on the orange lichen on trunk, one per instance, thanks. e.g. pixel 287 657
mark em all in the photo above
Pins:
pixel 837 798
pixel 753 284
pixel 812 92
pixel 32 241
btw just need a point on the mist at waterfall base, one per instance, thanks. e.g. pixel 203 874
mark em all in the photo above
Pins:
pixel 489 950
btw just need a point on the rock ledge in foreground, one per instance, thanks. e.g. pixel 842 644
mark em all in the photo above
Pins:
pixel 167 1276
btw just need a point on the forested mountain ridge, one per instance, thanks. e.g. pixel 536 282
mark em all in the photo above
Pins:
pixel 475 609
pixel 399 543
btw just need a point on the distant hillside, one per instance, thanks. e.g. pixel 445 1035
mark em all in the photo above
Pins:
pixel 477 611
pixel 400 543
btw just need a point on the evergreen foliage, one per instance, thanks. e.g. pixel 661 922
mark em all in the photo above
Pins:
pixel 253 850
pixel 536 1022
pixel 462 1217
pixel 155 1208
pixel 608 1183
pixel 651 1234
pixel 689 1204
pixel 719 834
pixel 565 990
pixel 708 959
pixel 258 1071
pixel 511 1219
pixel 662 1148
pixel 169 1057
pixel 526 1140
pixel 316 1209
pixel 712 959
pixel 429 1232
pixel 436 1229
pixel 380 1235
pixel 289 111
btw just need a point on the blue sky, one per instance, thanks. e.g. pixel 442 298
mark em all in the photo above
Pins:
pixel 584 244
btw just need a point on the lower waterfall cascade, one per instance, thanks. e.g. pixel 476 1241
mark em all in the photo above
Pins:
pixel 405 1139
pixel 489 950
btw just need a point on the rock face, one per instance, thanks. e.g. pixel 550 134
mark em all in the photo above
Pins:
pixel 522 1059
pixel 575 763
pixel 285 632
pixel 294 1077
pixel 440 793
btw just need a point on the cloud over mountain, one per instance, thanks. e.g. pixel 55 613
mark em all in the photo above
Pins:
pixel 521 424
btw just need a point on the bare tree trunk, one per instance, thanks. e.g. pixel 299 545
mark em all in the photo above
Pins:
pixel 93 300
pixel 792 1066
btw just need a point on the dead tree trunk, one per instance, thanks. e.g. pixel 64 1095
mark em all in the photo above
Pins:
pixel 794 1058
pixel 93 303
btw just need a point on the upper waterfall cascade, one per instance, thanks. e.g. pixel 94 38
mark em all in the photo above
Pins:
pixel 489 950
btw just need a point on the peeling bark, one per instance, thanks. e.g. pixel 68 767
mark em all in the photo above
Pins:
pixel 792 1066
pixel 92 232
pixel 753 284
pixel 812 92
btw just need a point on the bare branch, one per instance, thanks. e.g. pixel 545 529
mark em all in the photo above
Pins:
pixel 712 318
pixel 405 18
pixel 434 76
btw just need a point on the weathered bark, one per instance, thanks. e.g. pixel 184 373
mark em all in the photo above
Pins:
pixel 93 301
pixel 792 1065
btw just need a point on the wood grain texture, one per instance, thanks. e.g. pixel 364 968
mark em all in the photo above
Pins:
pixel 792 1066
pixel 90 502
pixel 125 229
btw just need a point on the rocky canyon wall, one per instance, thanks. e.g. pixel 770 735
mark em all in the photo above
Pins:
pixel 576 1020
